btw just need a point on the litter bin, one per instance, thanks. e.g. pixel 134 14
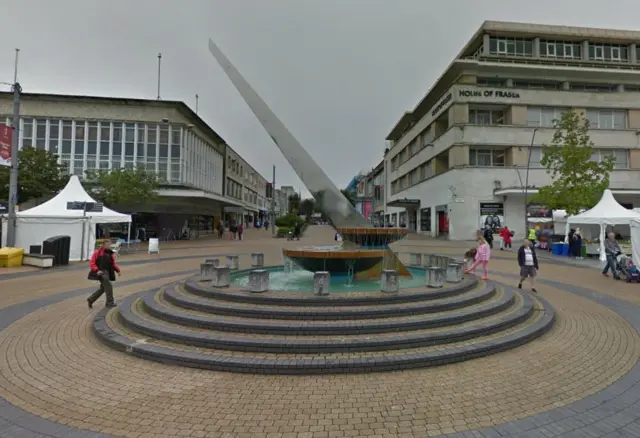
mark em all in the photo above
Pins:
pixel 11 257
pixel 565 249
pixel 556 248
pixel 59 247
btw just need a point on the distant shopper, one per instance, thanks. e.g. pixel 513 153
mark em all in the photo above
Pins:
pixel 532 236
pixel 506 235
pixel 528 263
pixel 297 230
pixel 103 269
pixel 612 250
pixel 240 231
pixel 483 254
pixel 266 225
pixel 488 236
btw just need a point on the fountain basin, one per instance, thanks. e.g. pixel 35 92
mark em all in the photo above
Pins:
pixel 302 281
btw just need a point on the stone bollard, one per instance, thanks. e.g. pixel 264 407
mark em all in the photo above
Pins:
pixel 221 277
pixel 389 281
pixel 435 276
pixel 415 259
pixel 212 261
pixel 206 271
pixel 233 262
pixel 257 260
pixel 455 272
pixel 427 260
pixel 321 281
pixel 444 262
pixel 259 280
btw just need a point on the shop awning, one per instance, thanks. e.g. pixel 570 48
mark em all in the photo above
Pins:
pixel 531 191
pixel 404 203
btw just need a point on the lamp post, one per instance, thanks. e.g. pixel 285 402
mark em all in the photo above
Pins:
pixel 526 183
pixel 13 176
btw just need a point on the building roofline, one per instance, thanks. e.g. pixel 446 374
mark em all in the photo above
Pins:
pixel 173 104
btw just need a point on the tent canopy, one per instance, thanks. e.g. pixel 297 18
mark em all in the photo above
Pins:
pixel 74 192
pixel 606 212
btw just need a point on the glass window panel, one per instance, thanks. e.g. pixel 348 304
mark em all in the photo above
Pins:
pixel 92 147
pixel 498 157
pixel 151 150
pixel 117 149
pixel 175 135
pixel 175 151
pixel 104 148
pixel 130 132
pixel 53 146
pixel 151 133
pixel 93 131
pixel 80 131
pixel 163 150
pixel 66 146
pixel 40 144
pixel 27 128
pixel 164 135
pixel 54 129
pixel 117 132
pixel 620 119
pixel 105 131
pixel 622 159
pixel 129 149
pixel 41 129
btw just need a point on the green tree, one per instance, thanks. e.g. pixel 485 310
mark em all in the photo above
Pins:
pixel 307 207
pixel 294 204
pixel 577 182
pixel 122 186
pixel 39 175
pixel 350 196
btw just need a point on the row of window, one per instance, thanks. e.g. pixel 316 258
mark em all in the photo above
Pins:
pixel 234 189
pixel 249 177
pixel 559 49
pixel 598 118
pixel 496 157
pixel 554 85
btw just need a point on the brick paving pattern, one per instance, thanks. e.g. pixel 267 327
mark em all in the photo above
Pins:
pixel 57 379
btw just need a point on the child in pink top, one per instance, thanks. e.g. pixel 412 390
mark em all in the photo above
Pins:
pixel 482 258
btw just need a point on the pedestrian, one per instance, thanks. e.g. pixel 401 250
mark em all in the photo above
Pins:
pixel 612 251
pixel 297 230
pixel 103 269
pixel 506 235
pixel 240 231
pixel 532 236
pixel 483 254
pixel 266 225
pixel 577 237
pixel 488 236
pixel 528 262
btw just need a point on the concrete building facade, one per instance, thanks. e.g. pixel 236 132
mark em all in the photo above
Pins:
pixel 464 152
pixel 97 133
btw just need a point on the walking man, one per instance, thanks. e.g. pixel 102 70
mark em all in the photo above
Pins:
pixel 528 263
pixel 612 251
pixel 103 269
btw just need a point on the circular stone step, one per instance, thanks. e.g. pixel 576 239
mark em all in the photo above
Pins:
pixel 108 328
pixel 331 310
pixel 156 306
pixel 133 318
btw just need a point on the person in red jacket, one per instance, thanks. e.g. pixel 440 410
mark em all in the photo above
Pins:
pixel 103 269
pixel 505 233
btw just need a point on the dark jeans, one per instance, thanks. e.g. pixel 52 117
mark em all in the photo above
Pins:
pixel 105 288
pixel 612 262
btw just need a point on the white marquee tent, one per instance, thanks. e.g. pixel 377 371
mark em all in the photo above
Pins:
pixel 606 212
pixel 53 218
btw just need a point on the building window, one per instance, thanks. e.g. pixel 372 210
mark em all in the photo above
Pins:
pixel 41 134
pixel 65 156
pixel 620 155
pixel 607 119
pixel 486 157
pixel 54 136
pixel 594 88
pixel 536 85
pixel 486 117
pixel 117 142
pixel 544 116
pixel 27 133
pixel 609 52
pixel 535 158
pixel 511 46
pixel 560 49
pixel 491 82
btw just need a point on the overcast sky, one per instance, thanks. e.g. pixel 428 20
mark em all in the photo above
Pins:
pixel 338 73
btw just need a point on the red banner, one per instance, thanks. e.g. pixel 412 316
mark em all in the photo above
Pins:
pixel 6 133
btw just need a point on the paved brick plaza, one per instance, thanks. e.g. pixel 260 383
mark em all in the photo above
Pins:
pixel 581 379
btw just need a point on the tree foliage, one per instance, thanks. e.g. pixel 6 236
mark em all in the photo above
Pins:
pixel 39 175
pixel 307 207
pixel 294 204
pixel 577 182
pixel 122 186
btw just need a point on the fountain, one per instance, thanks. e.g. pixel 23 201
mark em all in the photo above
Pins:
pixel 365 252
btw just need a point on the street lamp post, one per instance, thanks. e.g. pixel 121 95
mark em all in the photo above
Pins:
pixel 13 176
pixel 526 183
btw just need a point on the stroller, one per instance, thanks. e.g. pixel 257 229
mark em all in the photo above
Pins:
pixel 626 270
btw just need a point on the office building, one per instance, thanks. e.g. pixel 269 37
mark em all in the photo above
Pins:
pixel 463 153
